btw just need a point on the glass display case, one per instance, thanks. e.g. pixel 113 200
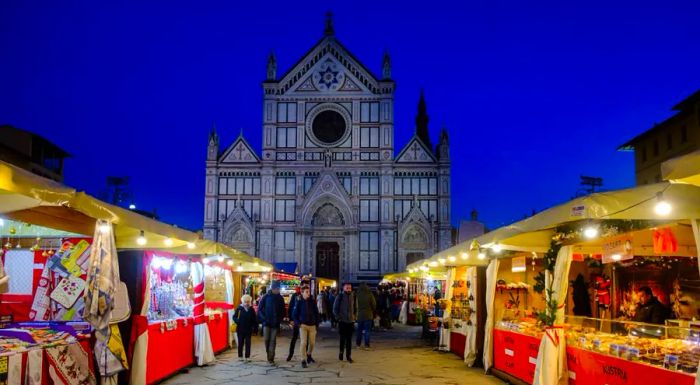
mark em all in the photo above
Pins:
pixel 671 347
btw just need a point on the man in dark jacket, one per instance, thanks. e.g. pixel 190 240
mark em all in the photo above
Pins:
pixel 296 297
pixel 365 307
pixel 344 312
pixel 650 310
pixel 307 317
pixel 271 313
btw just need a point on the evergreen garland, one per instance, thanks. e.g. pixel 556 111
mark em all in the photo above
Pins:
pixel 549 315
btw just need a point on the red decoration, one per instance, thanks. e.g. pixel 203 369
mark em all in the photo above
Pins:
pixel 665 241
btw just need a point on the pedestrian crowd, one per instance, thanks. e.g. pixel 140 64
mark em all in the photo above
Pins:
pixel 304 313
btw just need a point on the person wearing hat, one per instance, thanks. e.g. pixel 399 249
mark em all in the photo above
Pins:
pixel 271 313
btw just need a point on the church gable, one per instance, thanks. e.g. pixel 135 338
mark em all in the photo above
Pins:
pixel 239 152
pixel 328 67
pixel 415 152
pixel 327 188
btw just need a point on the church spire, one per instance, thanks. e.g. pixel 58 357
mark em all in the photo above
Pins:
pixel 328 31
pixel 422 121
pixel 386 66
pixel 213 135
pixel 271 67
pixel 213 146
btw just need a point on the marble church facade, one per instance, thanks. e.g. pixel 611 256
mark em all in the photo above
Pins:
pixel 329 192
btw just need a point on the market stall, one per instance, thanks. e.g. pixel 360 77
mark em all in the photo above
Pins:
pixel 219 297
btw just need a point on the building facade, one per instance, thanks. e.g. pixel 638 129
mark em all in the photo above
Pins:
pixel 31 152
pixel 676 136
pixel 328 192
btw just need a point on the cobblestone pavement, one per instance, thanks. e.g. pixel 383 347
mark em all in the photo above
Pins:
pixel 397 357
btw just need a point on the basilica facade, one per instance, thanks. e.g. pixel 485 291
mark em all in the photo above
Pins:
pixel 329 195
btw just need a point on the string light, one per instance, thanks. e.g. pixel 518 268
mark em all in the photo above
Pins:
pixel 239 268
pixel 205 260
pixel 221 258
pixel 190 245
pixel 442 261
pixel 590 232
pixel 465 256
pixel 451 258
pixel 482 255
pixel 662 207
pixel 496 248
pixel 132 207
pixel 230 263
pixel 433 264
pixel 141 240
pixel 103 227
pixel 168 242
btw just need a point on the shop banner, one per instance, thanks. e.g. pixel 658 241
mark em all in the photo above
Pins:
pixel 618 249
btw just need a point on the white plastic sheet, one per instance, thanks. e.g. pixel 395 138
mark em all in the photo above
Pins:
pixel 491 278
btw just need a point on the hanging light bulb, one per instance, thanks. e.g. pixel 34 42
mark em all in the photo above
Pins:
pixel 451 258
pixel 229 262
pixel 132 207
pixel 103 227
pixel 221 258
pixel 662 207
pixel 496 248
pixel 442 261
pixel 590 232
pixel 465 256
pixel 482 255
pixel 432 264
pixel 168 242
pixel 190 245
pixel 239 268
pixel 141 240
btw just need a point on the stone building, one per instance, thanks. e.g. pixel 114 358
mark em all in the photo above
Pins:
pixel 675 136
pixel 329 193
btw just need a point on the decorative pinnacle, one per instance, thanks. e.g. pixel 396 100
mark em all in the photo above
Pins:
pixel 328 31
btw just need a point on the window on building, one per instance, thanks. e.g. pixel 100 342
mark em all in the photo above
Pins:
pixel 345 179
pixel 286 112
pixel 369 250
pixel 248 185
pixel 669 141
pixel 250 206
pixel 656 147
pixel 369 210
pixel 286 137
pixel 284 210
pixel 369 185
pixel 284 246
pixel 285 185
pixel 369 137
pixel 684 134
pixel 369 112
pixel 415 186
pixel 429 209
pixel 308 183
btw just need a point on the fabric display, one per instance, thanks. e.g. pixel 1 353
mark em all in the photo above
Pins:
pixel 69 365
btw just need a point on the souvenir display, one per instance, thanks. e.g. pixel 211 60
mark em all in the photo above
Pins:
pixel 171 289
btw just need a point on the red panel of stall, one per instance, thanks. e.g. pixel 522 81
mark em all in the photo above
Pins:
pixel 218 330
pixel 515 354
pixel 169 350
pixel 457 343
pixel 587 367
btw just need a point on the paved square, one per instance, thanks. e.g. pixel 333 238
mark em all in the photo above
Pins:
pixel 397 357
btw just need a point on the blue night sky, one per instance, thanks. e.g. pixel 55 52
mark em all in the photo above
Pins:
pixel 533 95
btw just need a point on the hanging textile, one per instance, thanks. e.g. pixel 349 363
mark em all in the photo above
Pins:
pixel 553 353
pixel 230 299
pixel 102 282
pixel 138 342
pixel 560 285
pixel 491 278
pixel 203 349
pixel 447 314
pixel 69 365
pixel 471 328
pixel 403 314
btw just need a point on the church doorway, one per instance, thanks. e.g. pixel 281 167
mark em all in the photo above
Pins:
pixel 328 260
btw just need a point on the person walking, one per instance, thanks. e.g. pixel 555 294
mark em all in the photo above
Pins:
pixel 307 317
pixel 321 304
pixel 331 302
pixel 246 325
pixel 271 313
pixel 344 313
pixel 293 300
pixel 366 306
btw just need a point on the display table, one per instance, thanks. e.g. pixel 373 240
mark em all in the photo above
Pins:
pixel 219 331
pixel 23 359
pixel 169 350
pixel 516 355
pixel 458 338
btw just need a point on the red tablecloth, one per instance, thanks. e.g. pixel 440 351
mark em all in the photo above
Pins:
pixel 516 354
pixel 457 343
pixel 218 330
pixel 169 350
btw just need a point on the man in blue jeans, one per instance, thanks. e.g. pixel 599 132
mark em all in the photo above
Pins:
pixel 365 306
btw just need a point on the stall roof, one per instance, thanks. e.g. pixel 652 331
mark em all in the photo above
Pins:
pixel 535 233
pixel 289 268
pixel 683 169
